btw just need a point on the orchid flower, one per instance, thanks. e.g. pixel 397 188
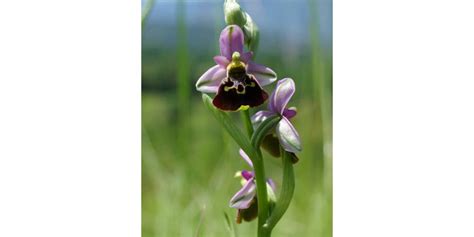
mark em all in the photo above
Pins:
pixel 287 135
pixel 236 79
pixel 245 200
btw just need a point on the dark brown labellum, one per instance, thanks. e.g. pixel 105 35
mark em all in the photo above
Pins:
pixel 248 214
pixel 293 157
pixel 239 89
pixel 271 144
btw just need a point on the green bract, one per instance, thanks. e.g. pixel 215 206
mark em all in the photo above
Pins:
pixel 234 15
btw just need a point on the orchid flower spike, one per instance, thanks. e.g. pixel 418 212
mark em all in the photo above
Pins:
pixel 236 79
pixel 287 135
pixel 245 200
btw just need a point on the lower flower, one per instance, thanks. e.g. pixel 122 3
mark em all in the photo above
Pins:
pixel 245 200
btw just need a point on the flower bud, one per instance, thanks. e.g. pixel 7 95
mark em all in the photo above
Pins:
pixel 252 34
pixel 251 212
pixel 233 13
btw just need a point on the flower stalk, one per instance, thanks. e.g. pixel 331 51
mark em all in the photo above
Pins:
pixel 250 144
pixel 262 198
pixel 254 153
pixel 238 84
pixel 245 115
pixel 259 168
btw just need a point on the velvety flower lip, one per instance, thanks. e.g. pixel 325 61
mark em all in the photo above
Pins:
pixel 285 131
pixel 231 41
pixel 245 196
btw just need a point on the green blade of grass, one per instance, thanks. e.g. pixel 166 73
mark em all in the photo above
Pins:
pixel 184 88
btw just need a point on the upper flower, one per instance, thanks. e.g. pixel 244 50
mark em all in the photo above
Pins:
pixel 286 133
pixel 236 79
pixel 245 199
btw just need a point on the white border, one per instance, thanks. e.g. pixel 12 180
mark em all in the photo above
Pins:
pixel 403 118
pixel 70 118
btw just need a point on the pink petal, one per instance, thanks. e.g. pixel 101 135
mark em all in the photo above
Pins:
pixel 231 40
pixel 244 196
pixel 290 112
pixel 260 116
pixel 245 157
pixel 263 74
pixel 221 61
pixel 288 136
pixel 246 57
pixel 281 95
pixel 247 174
pixel 209 81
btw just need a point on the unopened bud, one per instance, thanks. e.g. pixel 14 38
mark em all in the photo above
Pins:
pixel 233 13
pixel 252 34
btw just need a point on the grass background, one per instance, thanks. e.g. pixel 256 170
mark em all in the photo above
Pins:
pixel 188 161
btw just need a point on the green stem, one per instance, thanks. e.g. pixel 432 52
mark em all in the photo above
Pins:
pixel 287 190
pixel 262 198
pixel 259 169
pixel 252 148
pixel 248 124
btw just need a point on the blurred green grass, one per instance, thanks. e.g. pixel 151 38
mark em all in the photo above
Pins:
pixel 177 192
pixel 188 174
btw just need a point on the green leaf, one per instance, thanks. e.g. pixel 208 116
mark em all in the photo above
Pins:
pixel 245 115
pixel 263 129
pixel 224 119
pixel 286 194
pixel 252 34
